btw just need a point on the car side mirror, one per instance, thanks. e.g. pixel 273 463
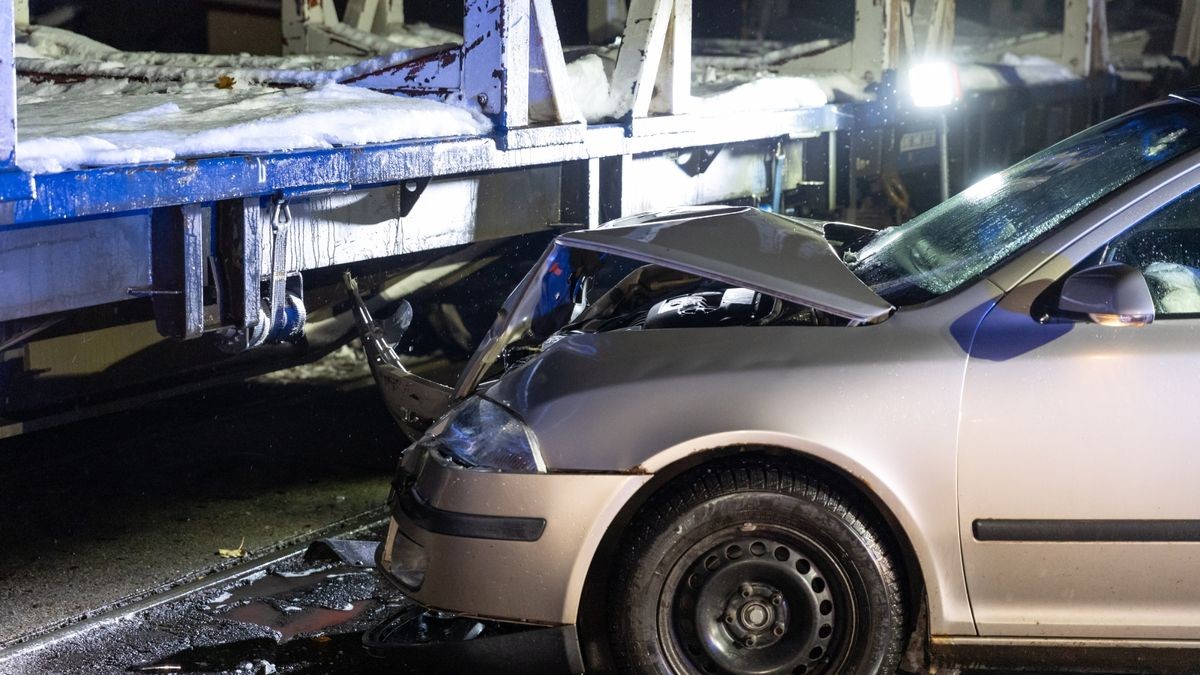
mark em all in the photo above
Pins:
pixel 1112 294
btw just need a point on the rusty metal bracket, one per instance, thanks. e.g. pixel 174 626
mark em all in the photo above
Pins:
pixel 697 160
pixel 281 219
pixel 177 273
pixel 410 192
pixel 281 316
pixel 238 224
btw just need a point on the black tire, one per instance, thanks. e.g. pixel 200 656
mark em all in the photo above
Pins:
pixel 749 567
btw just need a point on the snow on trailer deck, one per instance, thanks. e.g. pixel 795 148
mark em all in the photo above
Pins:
pixel 84 104
pixel 65 127
pixel 225 105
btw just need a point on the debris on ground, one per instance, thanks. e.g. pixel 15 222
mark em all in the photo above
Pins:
pixel 293 617
pixel 239 552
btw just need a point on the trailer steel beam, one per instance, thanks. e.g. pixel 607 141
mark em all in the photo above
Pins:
pixel 656 50
pixel 1085 36
pixel 130 188
pixel 238 230
pixel 8 87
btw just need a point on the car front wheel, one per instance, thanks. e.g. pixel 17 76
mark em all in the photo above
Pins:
pixel 746 567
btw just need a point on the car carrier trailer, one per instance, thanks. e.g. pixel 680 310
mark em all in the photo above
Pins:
pixel 131 272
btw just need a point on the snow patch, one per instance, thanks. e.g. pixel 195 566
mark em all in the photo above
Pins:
pixel 840 86
pixel 69 126
pixel 1033 69
pixel 251 578
pixel 25 51
pixel 979 77
pixel 345 364
pixel 1030 70
pixel 766 93
pixel 420 34
pixel 715 92
pixel 589 86
pixel 52 43
pixel 355 573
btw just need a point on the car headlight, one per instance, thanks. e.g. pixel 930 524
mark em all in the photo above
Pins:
pixel 486 436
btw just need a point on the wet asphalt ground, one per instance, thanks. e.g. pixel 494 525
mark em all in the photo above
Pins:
pixel 296 616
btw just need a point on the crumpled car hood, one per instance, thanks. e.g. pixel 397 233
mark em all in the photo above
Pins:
pixel 770 253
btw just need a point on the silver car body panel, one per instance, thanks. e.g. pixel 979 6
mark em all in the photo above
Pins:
pixel 842 395
pixel 1121 451
pixel 784 257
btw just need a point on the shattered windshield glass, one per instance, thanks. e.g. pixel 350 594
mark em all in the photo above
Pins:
pixel 965 236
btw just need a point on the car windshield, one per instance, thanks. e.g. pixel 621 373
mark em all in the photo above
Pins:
pixel 967 235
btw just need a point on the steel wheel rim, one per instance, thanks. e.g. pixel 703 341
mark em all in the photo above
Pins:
pixel 818 619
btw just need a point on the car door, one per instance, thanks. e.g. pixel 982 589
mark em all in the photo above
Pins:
pixel 1079 447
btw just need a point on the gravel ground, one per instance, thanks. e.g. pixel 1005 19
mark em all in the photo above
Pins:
pixel 111 509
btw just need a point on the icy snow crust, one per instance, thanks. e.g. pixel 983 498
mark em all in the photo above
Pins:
pixel 117 118
pixel 767 93
pixel 1030 70
pixel 114 120
pixel 100 123
pixel 721 93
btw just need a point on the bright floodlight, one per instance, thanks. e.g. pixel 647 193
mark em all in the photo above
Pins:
pixel 933 84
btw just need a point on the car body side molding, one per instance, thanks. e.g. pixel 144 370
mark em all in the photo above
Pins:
pixel 1150 531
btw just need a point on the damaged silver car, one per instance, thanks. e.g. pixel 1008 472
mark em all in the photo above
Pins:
pixel 719 440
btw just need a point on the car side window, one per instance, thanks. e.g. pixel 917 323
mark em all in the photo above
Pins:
pixel 1165 246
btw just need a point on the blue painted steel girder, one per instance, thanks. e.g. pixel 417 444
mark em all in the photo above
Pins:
pixel 110 190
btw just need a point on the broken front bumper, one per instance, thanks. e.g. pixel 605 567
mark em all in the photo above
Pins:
pixel 511 547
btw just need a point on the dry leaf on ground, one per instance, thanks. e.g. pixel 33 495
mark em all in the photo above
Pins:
pixel 239 552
